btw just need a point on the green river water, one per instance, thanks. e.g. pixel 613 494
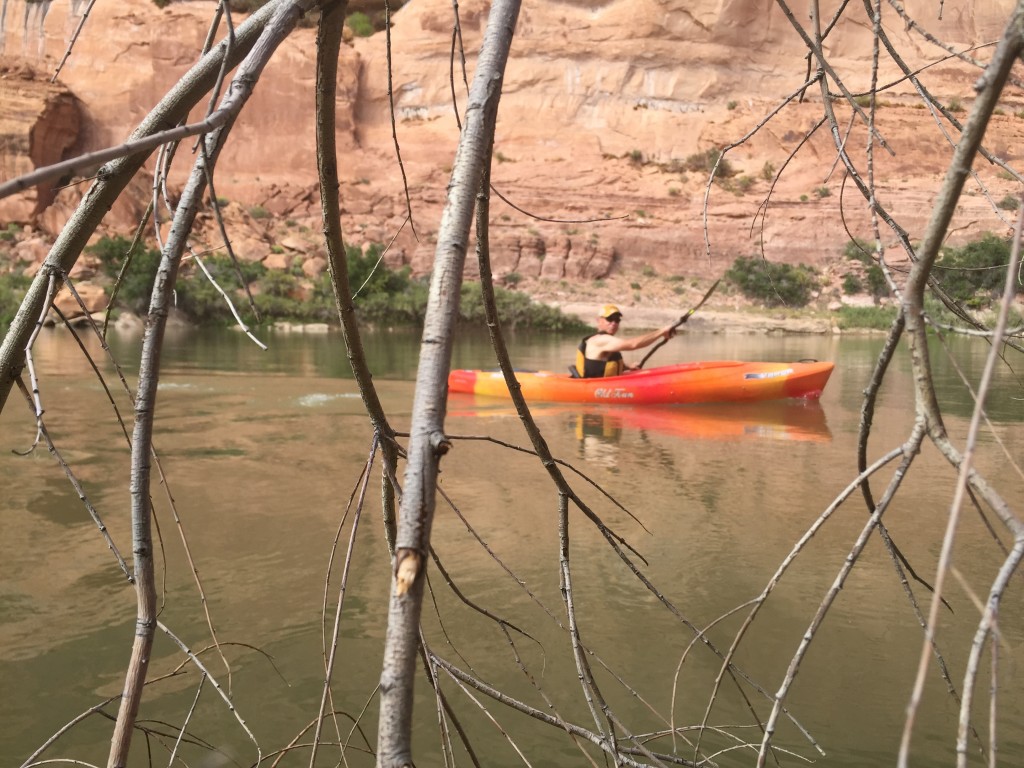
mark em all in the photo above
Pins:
pixel 263 450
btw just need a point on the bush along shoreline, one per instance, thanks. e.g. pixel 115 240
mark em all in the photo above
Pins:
pixel 971 275
pixel 382 296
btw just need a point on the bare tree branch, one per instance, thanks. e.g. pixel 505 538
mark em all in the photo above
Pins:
pixel 111 181
pixel 427 442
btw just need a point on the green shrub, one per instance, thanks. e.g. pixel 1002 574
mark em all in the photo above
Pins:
pixel 137 284
pixel 259 212
pixel 1009 203
pixel 12 290
pixel 280 285
pixel 974 274
pixel 878 286
pixel 767 171
pixel 384 294
pixel 879 318
pixel 514 310
pixel 366 276
pixel 675 165
pixel 859 250
pixel 740 185
pixel 200 300
pixel 360 24
pixel 280 298
pixel 405 302
pixel 852 284
pixel 823 192
pixel 772 284
pixel 705 161
pixel 864 252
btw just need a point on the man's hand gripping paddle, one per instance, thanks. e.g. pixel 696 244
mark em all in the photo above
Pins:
pixel 682 320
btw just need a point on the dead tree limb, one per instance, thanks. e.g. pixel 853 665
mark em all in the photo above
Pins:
pixel 427 442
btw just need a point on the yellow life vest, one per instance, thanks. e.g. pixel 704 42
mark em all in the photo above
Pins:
pixel 588 368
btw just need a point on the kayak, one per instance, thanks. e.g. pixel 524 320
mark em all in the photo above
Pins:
pixel 717 381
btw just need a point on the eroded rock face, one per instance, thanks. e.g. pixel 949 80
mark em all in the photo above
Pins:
pixel 40 125
pixel 605 105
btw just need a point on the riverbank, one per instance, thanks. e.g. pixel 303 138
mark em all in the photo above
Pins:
pixel 721 319
pixel 646 301
pixel 715 320
pixel 637 318
pixel 649 302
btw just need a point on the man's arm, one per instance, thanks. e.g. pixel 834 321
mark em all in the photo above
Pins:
pixel 603 343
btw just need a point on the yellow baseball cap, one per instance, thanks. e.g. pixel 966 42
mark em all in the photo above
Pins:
pixel 608 310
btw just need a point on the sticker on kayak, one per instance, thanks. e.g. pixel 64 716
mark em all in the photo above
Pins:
pixel 768 374
pixel 616 393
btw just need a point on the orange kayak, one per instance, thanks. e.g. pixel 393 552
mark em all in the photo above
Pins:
pixel 717 381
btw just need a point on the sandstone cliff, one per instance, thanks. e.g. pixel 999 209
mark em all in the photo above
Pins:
pixel 604 104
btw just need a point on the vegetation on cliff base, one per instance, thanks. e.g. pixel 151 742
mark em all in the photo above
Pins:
pixel 772 284
pixel 12 288
pixel 382 295
pixel 865 318
pixel 862 253
pixel 972 275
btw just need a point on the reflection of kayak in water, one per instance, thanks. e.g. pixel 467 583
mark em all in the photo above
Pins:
pixel 774 420
pixel 720 381
pixel 777 420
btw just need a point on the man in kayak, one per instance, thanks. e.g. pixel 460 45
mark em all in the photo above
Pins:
pixel 600 354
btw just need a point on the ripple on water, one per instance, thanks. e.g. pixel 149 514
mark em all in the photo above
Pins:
pixel 317 399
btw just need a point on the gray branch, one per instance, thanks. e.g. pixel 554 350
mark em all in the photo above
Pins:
pixel 426 441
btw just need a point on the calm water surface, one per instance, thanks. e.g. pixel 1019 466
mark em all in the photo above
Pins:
pixel 263 450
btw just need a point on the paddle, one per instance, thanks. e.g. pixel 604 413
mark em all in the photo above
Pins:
pixel 682 320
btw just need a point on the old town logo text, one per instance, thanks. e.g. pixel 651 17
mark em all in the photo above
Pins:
pixel 616 393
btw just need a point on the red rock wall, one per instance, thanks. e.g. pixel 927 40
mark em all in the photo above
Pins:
pixel 603 104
